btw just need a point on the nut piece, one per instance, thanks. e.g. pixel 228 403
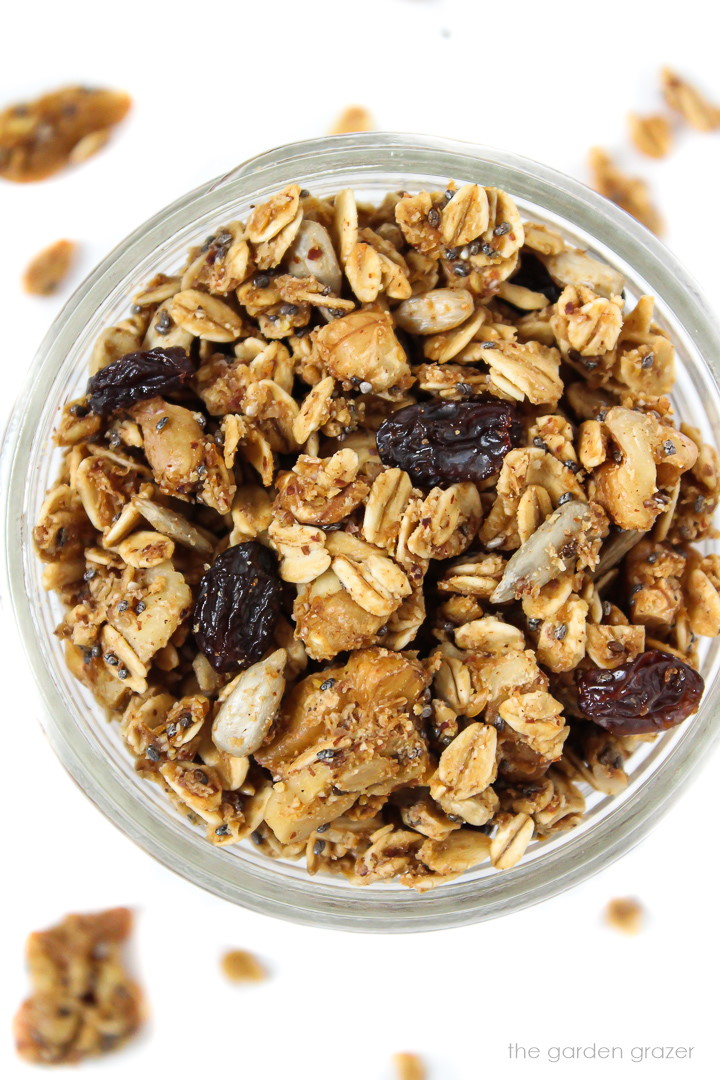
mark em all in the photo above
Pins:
pixel 434 312
pixel 651 135
pixel 626 915
pixel 241 966
pixel 247 712
pixel 47 271
pixel 687 100
pixel 408 1067
pixel 352 118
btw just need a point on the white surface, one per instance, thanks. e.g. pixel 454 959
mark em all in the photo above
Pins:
pixel 214 84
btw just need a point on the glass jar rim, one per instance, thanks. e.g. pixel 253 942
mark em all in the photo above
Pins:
pixel 617 236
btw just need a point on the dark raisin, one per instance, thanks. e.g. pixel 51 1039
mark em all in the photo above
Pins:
pixel 654 692
pixel 138 376
pixel 533 275
pixel 446 442
pixel 238 606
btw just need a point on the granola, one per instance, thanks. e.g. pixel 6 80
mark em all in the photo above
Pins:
pixel 626 915
pixel 38 138
pixel 83 1002
pixel 48 269
pixel 374 532
pixel 240 966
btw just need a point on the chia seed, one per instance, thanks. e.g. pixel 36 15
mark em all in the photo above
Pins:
pixel 617 457
pixel 326 755
pixel 222 830
pixel 560 631
pixel 96 652
pixel 256 837
pixel 488 249
pixel 566 498
pixel 502 229
pixel 261 281
pixel 615 647
pixel 78 410
pixel 163 323
pixel 123 606
pixel 489 345
pixel 669 448
pixel 461 270
pixel 123 673
pixel 89 574
pixel 534 624
pixel 111 659
pixel 318 847
pixel 140 607
pixel 162 422
pixel 152 753
pixel 433 218
pixel 328 684
pixel 648 361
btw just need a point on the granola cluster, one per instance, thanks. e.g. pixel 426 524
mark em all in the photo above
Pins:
pixel 83 1002
pixel 367 514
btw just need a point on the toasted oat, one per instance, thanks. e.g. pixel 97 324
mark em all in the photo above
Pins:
pixel 240 966
pixel 629 193
pixel 352 118
pixel 83 1002
pixel 689 102
pixel 626 915
pixel 38 138
pixel 651 135
pixel 408 1067
pixel 360 649
pixel 46 272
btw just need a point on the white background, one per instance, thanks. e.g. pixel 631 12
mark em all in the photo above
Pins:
pixel 214 83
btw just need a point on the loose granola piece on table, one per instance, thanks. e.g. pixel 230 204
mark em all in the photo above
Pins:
pixel 46 272
pixel 628 192
pixel 689 102
pixel 651 135
pixel 240 966
pixel 352 118
pixel 357 505
pixel 626 915
pixel 83 1003
pixel 38 138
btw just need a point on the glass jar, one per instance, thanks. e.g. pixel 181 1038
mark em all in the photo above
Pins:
pixel 91 749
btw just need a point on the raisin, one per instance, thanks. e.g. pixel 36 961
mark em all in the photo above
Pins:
pixel 654 692
pixel 237 607
pixel 534 276
pixel 138 376
pixel 447 442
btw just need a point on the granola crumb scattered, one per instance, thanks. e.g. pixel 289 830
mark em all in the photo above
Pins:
pixel 686 99
pixel 83 1002
pixel 48 269
pixel 626 915
pixel 38 138
pixel 630 193
pixel 241 966
pixel 409 1067
pixel 353 118
pixel 651 135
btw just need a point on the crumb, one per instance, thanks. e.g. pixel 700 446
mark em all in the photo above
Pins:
pixel 689 102
pixel 47 270
pixel 353 118
pixel 408 1067
pixel 241 966
pixel 83 1002
pixel 625 914
pixel 651 135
